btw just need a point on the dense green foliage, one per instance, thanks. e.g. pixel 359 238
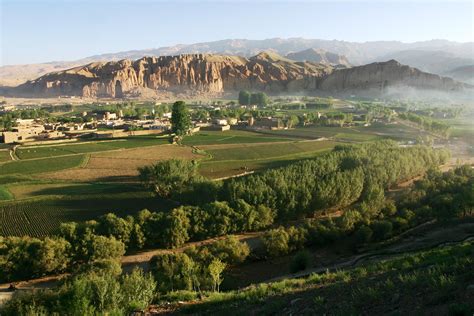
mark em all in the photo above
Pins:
pixel 348 174
pixel 199 268
pixel 77 247
pixel 170 177
pixel 438 196
pixel 443 195
pixel 257 98
pixel 92 293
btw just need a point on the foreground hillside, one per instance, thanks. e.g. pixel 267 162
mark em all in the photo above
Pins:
pixel 438 282
pixel 207 75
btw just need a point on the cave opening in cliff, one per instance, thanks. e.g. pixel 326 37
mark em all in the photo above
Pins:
pixel 118 89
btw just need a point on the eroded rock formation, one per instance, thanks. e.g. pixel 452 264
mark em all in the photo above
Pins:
pixel 208 74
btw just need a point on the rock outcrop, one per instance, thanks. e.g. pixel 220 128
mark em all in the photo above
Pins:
pixel 207 74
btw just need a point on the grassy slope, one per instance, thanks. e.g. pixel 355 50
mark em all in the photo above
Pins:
pixel 424 282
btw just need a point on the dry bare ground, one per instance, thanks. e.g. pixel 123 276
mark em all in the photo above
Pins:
pixel 121 165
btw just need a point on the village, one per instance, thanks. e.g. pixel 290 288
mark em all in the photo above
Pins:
pixel 118 121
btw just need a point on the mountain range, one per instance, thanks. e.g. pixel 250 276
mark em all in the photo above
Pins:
pixel 435 56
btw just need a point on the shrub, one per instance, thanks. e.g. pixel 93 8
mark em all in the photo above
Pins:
pixel 363 235
pixel 301 261
pixel 276 242
pixel 382 230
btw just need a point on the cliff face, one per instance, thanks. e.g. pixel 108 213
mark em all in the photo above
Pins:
pixel 386 74
pixel 200 73
pixel 205 74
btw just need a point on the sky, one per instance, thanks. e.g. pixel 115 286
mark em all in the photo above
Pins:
pixel 34 31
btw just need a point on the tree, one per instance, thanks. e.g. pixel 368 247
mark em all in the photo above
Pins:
pixel 292 121
pixel 175 271
pixel 230 250
pixel 215 270
pixel 244 97
pixel 112 225
pixel 260 99
pixel 169 177
pixel 101 247
pixel 180 119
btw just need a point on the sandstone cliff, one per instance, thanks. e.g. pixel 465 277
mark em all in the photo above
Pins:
pixel 206 74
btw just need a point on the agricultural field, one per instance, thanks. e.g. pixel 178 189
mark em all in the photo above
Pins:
pixel 356 134
pixel 232 137
pixel 234 159
pixel 120 166
pixel 40 208
pixel 5 156
pixel 35 166
pixel 43 151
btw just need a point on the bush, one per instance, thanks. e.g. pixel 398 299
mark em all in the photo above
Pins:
pixel 276 242
pixel 301 261
pixel 363 235
pixel 382 230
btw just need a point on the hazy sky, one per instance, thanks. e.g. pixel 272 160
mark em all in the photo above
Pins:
pixel 47 30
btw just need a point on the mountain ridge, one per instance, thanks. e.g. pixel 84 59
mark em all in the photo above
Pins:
pixel 357 53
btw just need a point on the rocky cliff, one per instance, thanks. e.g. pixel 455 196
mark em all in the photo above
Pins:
pixel 381 75
pixel 207 74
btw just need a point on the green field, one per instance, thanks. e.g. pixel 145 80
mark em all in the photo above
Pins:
pixel 236 160
pixel 31 152
pixel 5 156
pixel 358 134
pixel 231 137
pixel 268 151
pixel 33 166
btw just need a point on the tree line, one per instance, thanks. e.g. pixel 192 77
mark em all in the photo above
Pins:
pixel 427 123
